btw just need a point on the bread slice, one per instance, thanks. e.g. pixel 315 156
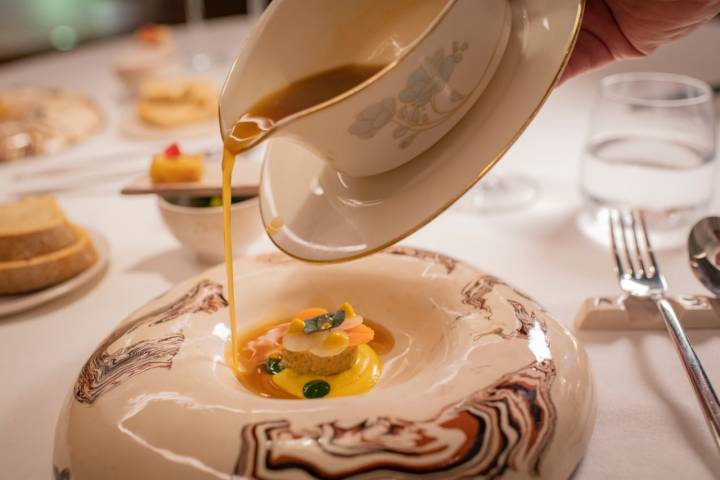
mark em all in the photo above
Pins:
pixel 32 227
pixel 23 276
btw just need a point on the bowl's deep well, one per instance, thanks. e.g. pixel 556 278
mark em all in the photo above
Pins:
pixel 477 368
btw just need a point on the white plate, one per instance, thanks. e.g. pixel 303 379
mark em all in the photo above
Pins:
pixel 328 217
pixel 19 303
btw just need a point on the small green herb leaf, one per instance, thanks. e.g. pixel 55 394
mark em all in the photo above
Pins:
pixel 324 322
pixel 316 389
pixel 273 366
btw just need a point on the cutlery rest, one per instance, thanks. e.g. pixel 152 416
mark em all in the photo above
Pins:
pixel 631 313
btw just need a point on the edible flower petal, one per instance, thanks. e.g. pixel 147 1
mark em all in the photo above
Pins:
pixel 359 335
pixel 296 326
pixel 336 340
pixel 349 310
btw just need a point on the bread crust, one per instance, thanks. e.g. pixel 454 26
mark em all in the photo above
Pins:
pixel 24 276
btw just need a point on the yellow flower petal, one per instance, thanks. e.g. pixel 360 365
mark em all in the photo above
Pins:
pixel 336 340
pixel 296 326
pixel 349 310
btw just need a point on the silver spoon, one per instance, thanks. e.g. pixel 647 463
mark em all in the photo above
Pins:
pixel 704 252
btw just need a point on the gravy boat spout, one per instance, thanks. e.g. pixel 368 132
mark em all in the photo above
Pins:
pixel 436 58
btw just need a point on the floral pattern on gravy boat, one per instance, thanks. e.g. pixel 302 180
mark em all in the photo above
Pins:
pixel 417 107
pixel 481 383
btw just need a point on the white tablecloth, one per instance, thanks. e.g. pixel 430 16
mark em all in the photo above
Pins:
pixel 648 424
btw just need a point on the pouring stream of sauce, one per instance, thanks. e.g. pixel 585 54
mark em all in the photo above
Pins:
pixel 257 124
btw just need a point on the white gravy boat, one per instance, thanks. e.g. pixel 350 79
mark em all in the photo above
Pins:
pixel 439 57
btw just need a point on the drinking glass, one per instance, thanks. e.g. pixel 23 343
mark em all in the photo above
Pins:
pixel 500 192
pixel 651 145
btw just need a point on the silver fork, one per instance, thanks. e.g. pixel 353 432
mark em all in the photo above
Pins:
pixel 640 276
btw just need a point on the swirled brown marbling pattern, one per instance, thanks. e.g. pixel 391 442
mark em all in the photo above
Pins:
pixel 475 293
pixel 107 369
pixel 448 262
pixel 504 427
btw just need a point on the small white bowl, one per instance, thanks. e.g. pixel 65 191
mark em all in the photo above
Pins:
pixel 200 229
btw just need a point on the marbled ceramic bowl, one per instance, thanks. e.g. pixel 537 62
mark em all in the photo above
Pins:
pixel 481 383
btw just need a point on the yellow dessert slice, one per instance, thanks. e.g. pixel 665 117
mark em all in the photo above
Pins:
pixel 178 169
pixel 22 276
pixel 31 227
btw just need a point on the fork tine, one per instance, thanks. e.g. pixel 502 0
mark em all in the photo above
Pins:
pixel 613 221
pixel 653 267
pixel 635 225
pixel 627 235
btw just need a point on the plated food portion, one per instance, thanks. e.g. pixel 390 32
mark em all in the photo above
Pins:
pixel 39 246
pixel 151 51
pixel 38 120
pixel 433 369
pixel 317 353
pixel 172 105
pixel 176 102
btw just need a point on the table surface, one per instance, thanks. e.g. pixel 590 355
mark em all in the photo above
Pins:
pixel 648 422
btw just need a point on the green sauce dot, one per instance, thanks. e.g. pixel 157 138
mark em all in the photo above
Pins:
pixel 273 366
pixel 316 389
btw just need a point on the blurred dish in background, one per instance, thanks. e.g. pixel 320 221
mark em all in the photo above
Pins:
pixel 176 107
pixel 39 120
pixel 152 51
pixel 177 172
pixel 170 103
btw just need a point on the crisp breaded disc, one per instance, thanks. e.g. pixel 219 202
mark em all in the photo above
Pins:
pixel 305 363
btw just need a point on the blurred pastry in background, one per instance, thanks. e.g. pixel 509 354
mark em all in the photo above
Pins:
pixel 171 103
pixel 174 166
pixel 39 120
pixel 152 51
pixel 39 247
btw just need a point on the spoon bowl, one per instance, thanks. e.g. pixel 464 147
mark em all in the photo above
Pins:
pixel 704 253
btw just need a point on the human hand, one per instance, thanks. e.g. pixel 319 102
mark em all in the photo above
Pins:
pixel 623 29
